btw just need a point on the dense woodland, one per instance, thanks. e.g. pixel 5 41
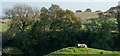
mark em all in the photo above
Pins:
pixel 42 31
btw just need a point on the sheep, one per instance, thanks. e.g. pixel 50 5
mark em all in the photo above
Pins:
pixel 82 45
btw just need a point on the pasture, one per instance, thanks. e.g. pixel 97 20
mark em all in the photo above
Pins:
pixel 77 50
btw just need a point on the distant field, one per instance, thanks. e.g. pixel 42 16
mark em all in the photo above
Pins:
pixel 5 20
pixel 77 50
pixel 4 26
pixel 87 15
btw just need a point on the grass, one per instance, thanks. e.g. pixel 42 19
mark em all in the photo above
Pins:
pixel 4 27
pixel 77 50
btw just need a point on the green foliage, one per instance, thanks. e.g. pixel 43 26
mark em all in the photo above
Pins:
pixel 11 50
pixel 117 39
pixel 55 28
pixel 22 16
pixel 99 32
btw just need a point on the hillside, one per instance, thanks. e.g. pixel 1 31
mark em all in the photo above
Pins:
pixel 87 15
pixel 77 50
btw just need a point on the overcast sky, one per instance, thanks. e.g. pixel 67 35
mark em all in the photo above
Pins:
pixel 73 5
pixel 60 0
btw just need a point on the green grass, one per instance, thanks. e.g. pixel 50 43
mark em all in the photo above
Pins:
pixel 77 50
pixel 4 27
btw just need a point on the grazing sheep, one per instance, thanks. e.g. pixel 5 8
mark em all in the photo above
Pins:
pixel 82 45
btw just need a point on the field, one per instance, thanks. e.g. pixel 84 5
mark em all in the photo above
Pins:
pixel 4 26
pixel 77 50
pixel 87 15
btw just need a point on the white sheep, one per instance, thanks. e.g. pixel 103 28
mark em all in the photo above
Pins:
pixel 82 45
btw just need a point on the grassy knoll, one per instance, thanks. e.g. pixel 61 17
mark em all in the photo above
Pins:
pixel 77 50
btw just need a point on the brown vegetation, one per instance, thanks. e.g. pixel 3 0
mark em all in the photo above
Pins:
pixel 87 15
pixel 5 21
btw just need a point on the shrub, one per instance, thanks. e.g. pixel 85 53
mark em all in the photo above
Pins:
pixel 12 50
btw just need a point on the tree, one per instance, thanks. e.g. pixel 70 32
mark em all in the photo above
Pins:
pixel 117 40
pixel 98 11
pixel 68 23
pixel 52 11
pixel 22 16
pixel 53 31
pixel 88 10
pixel 35 30
pixel 100 30
pixel 118 20
pixel 78 10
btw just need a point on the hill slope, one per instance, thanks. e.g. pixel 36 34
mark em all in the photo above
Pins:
pixel 77 50
pixel 87 15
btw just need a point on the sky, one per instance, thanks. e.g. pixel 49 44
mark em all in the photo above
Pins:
pixel 60 0
pixel 72 5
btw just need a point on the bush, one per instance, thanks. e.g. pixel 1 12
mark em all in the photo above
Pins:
pixel 12 50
